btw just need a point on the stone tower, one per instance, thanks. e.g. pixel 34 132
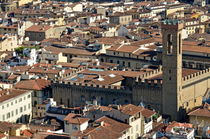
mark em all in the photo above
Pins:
pixel 172 67
pixel 201 3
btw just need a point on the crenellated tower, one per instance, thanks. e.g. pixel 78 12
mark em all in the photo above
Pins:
pixel 172 67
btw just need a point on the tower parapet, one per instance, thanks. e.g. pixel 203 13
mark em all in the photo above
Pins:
pixel 150 74
pixel 172 24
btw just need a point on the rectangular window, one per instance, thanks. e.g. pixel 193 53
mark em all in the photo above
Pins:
pixel 25 108
pixel 21 109
pixel 8 115
pixel 16 111
pixel 35 94
pixel 187 104
pixel 129 64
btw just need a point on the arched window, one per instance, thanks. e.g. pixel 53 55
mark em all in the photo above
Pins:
pixel 82 98
pixel 169 44
pixel 68 102
pixel 61 101
pixel 114 101
pixel 126 101
pixel 35 103
pixel 102 101
pixel 180 47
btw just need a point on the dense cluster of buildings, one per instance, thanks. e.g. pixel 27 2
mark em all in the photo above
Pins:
pixel 111 70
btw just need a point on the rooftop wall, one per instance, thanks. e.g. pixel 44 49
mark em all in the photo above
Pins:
pixel 68 83
pixel 196 76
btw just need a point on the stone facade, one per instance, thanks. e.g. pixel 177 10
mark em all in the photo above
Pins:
pixel 71 94
pixel 169 90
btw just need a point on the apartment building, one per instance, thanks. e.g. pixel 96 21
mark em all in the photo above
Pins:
pixel 39 32
pixel 40 91
pixel 52 57
pixel 193 26
pixel 135 54
pixel 74 122
pixel 15 105
pixel 8 43
pixel 120 18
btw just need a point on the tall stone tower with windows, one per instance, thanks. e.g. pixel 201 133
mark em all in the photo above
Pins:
pixel 172 67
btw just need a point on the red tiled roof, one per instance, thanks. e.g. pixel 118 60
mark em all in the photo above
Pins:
pixel 10 93
pixel 110 129
pixel 75 119
pixel 38 28
pixel 177 124
pixel 27 133
pixel 2 135
pixel 37 84
pixel 147 113
pixel 203 112
pixel 12 77
pixel 130 109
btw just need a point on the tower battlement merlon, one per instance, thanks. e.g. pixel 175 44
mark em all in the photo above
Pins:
pixel 69 83
pixel 196 76
pixel 172 24
pixel 151 73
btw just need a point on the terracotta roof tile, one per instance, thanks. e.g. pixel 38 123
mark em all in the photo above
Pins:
pixel 38 28
pixel 130 109
pixel 110 129
pixel 26 133
pixel 6 126
pixel 37 84
pixel 75 119
pixel 203 112
pixel 177 124
pixel 147 113
pixel 10 93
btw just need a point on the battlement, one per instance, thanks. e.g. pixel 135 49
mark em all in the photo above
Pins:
pixel 196 76
pixel 90 85
pixel 150 74
pixel 172 24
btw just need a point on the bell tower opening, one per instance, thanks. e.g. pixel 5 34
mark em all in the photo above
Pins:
pixel 169 44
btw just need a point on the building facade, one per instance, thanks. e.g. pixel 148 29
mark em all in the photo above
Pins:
pixel 172 90
pixel 22 111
